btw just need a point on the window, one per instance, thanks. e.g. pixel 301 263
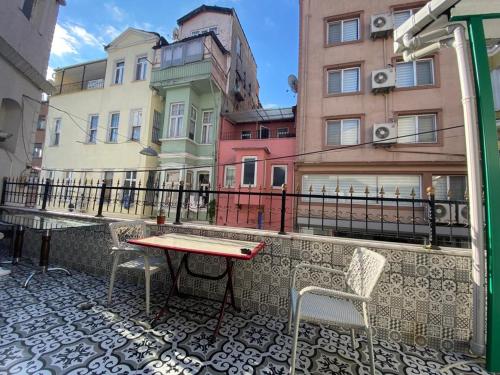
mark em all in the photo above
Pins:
pixel 193 116
pixel 28 7
pixel 229 176
pixel 415 73
pixel 37 151
pixel 411 127
pixel 176 120
pixel 205 30
pixel 282 132
pixel 342 81
pixel 246 134
pixel 118 76
pixel 238 47
pixel 141 68
pixel 128 192
pixel 135 124
pixel 108 180
pixel 182 53
pixel 92 133
pixel 249 171
pixel 56 135
pixel 278 176
pixel 114 123
pixel 156 127
pixel 264 132
pixel 342 132
pixel 343 31
pixel 42 122
pixel 453 187
pixel 206 127
pixel 401 16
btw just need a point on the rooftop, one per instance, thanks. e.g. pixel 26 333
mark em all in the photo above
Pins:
pixel 261 115
pixel 201 9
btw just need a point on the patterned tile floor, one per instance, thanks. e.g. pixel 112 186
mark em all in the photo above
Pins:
pixel 44 330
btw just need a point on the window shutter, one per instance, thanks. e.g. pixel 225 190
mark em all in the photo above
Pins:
pixel 440 187
pixel 404 75
pixel 350 30
pixel 333 133
pixel 334 32
pixel 407 126
pixel 424 72
pixel 427 123
pixel 350 132
pixel 334 82
pixel 458 186
pixel 351 80
pixel 405 183
pixel 401 17
pixel 358 183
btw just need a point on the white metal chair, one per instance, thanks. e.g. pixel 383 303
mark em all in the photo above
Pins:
pixel 120 233
pixel 321 305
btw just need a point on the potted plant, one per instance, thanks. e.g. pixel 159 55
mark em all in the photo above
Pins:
pixel 160 217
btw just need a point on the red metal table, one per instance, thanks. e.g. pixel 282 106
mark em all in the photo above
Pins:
pixel 189 244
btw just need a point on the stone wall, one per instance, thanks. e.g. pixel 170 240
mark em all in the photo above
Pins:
pixel 424 296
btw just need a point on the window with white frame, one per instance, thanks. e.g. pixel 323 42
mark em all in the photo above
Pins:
pixel 193 117
pixel 114 124
pixel 129 183
pixel 37 151
pixel 176 127
pixel 342 132
pixel 118 74
pixel 343 31
pixel 249 171
pixel 56 134
pixel 282 132
pixel 417 128
pixel 400 16
pixel 156 127
pixel 246 134
pixel 107 178
pixel 278 175
pixel 452 187
pixel 135 124
pixel 182 52
pixel 342 81
pixel 206 127
pixel 229 176
pixel 205 30
pixel 141 68
pixel 93 124
pixel 40 125
pixel 415 73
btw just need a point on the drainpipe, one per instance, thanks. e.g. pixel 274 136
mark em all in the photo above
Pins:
pixel 474 177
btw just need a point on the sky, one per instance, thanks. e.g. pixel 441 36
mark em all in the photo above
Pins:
pixel 271 27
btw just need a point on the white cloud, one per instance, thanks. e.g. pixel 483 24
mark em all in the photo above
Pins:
pixel 63 43
pixel 116 12
pixel 111 32
pixel 84 35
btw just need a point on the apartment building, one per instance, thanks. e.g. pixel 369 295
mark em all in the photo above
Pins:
pixel 209 69
pixel 39 140
pixel 26 32
pixel 380 122
pixel 110 115
pixel 255 154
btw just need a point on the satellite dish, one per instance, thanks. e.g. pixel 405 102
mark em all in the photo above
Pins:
pixel 293 82
pixel 175 33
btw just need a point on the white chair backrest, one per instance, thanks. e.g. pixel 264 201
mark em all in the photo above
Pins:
pixel 122 231
pixel 364 271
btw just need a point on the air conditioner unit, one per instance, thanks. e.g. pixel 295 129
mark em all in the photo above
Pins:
pixel 385 133
pixel 463 214
pixel 444 215
pixel 381 25
pixel 383 80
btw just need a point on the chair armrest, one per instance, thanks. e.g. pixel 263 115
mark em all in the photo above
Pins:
pixel 333 293
pixel 311 266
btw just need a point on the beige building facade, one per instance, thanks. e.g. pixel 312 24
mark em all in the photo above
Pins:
pixel 26 32
pixel 375 131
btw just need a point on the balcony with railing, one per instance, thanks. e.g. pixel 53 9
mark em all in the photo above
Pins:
pixel 87 76
pixel 192 59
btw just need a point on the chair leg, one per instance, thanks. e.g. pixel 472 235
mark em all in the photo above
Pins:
pixel 370 350
pixel 116 258
pixel 353 338
pixel 147 282
pixel 295 340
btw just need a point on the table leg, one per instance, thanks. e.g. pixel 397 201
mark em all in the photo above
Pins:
pixel 173 288
pixel 229 290
pixel 171 269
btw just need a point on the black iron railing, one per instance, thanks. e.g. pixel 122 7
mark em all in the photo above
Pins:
pixel 409 219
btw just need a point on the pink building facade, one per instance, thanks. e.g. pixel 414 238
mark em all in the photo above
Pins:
pixel 255 155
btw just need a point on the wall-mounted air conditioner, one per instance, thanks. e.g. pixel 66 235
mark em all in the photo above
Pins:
pixel 381 25
pixel 445 214
pixel 463 214
pixel 385 133
pixel 383 80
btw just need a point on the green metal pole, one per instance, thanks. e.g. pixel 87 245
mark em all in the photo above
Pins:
pixel 491 178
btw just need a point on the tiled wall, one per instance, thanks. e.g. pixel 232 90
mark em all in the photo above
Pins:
pixel 424 297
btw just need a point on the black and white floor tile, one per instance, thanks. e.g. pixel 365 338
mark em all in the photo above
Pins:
pixel 47 329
